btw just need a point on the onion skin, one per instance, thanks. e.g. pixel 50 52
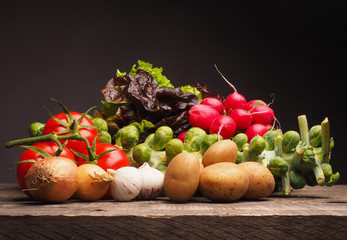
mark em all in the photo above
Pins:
pixel 52 180
pixel 93 182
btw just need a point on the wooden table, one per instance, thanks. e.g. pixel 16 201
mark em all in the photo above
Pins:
pixel 309 213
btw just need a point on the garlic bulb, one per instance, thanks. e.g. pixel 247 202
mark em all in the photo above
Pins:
pixel 153 182
pixel 127 183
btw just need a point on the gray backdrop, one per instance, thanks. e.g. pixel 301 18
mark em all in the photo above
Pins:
pixel 70 50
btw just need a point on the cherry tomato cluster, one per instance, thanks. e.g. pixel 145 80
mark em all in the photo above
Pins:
pixel 232 115
pixel 60 124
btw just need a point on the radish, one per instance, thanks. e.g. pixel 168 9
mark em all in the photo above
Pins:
pixel 182 135
pixel 234 100
pixel 256 129
pixel 223 125
pixel 262 114
pixel 254 103
pixel 242 118
pixel 202 116
pixel 215 103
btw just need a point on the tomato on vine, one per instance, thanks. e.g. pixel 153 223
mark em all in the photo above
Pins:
pixel 67 122
pixel 30 156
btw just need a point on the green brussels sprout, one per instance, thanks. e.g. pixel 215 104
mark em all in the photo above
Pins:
pixel 269 137
pixel 311 179
pixel 161 137
pixel 173 148
pixel 208 140
pixel 297 180
pixel 193 139
pixel 330 177
pixel 239 158
pixel 308 159
pixel 100 124
pixel 240 139
pixel 256 146
pixel 104 137
pixel 149 140
pixel 315 135
pixel 290 140
pixel 35 129
pixel 278 166
pixel 142 153
pixel 127 137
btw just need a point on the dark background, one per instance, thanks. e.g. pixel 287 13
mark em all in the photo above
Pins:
pixel 295 49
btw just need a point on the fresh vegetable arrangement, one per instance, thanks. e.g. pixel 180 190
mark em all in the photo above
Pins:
pixel 150 138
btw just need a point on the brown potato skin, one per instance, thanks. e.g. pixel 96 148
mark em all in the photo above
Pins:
pixel 182 176
pixel 223 182
pixel 261 180
pixel 221 151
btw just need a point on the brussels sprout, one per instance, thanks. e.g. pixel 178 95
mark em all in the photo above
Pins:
pixel 308 158
pixel 239 158
pixel 290 140
pixel 193 139
pixel 35 129
pixel 256 146
pixel 104 137
pixel 278 166
pixel 310 178
pixel 330 177
pixel 149 140
pixel 141 153
pixel 173 148
pixel 297 180
pixel 269 137
pixel 208 140
pixel 240 139
pixel 127 137
pixel 315 135
pixel 100 124
pixel 161 137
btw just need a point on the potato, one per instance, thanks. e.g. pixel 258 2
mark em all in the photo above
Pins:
pixel 223 182
pixel 261 180
pixel 181 178
pixel 221 151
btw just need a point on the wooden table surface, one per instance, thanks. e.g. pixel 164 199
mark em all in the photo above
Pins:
pixel 312 212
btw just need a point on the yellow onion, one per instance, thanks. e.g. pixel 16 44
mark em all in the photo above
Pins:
pixel 52 179
pixel 93 182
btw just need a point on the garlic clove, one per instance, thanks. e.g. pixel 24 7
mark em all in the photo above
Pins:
pixel 153 182
pixel 127 183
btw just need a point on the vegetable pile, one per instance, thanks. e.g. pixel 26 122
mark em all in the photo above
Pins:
pixel 150 138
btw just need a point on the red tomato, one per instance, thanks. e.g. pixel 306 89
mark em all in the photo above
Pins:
pixel 78 146
pixel 112 160
pixel 48 147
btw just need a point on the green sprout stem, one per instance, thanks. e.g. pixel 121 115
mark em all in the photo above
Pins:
pixel 304 132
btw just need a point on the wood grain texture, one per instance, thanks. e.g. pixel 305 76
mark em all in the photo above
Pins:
pixel 310 213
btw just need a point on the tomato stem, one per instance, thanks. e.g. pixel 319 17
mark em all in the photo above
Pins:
pixel 54 137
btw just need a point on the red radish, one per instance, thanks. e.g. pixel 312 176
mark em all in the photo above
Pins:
pixel 254 103
pixel 182 135
pixel 234 100
pixel 215 103
pixel 256 129
pixel 202 116
pixel 242 118
pixel 262 114
pixel 224 126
